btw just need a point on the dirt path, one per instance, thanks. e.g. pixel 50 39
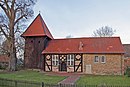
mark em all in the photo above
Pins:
pixel 70 80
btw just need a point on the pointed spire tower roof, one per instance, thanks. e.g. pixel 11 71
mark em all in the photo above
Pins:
pixel 37 28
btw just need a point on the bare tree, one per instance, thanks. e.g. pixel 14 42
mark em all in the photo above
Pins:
pixel 14 14
pixel 104 32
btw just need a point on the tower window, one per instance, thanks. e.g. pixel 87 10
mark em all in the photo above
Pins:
pixel 38 41
pixel 31 41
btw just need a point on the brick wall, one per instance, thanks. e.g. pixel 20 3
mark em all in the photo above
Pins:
pixel 113 66
pixel 33 49
pixel 28 53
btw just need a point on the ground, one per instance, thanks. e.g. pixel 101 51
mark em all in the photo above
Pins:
pixel 32 76
pixel 53 78
pixel 104 80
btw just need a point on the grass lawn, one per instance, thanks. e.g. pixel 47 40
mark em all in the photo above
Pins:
pixel 35 76
pixel 108 80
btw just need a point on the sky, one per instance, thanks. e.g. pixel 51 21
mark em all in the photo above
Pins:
pixel 79 18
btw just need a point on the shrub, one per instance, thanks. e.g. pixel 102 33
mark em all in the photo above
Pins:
pixel 2 67
pixel 128 71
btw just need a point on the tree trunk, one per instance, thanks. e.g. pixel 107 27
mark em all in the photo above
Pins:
pixel 12 48
pixel 13 58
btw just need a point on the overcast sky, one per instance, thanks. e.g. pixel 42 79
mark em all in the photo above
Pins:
pixel 80 18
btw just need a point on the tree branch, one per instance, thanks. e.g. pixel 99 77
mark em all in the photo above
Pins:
pixel 4 32
pixel 13 2
pixel 19 19
pixel 6 3
pixel 5 10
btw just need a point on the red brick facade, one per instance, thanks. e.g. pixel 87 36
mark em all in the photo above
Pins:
pixel 113 64
pixel 4 60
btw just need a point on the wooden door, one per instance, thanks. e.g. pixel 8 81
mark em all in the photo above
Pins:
pixel 63 66
pixel 63 63
pixel 88 69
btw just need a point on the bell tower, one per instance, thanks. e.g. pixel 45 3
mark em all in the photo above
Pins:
pixel 36 36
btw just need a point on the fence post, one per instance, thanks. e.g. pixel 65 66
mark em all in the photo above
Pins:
pixel 60 85
pixel 42 84
pixel 15 83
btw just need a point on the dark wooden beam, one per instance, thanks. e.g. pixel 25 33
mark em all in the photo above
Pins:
pixel 51 62
pixel 48 66
pixel 78 66
pixel 81 62
pixel 74 61
pixel 43 62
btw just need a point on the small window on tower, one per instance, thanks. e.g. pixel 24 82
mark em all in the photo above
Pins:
pixel 38 41
pixel 31 41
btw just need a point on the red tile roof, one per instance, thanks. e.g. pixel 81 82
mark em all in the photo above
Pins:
pixel 85 45
pixel 37 28
pixel 4 58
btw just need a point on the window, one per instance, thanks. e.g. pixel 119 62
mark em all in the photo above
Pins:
pixel 96 59
pixel 103 59
pixel 70 60
pixel 55 60
pixel 31 41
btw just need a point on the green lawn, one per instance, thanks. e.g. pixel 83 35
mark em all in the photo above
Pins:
pixel 84 80
pixel 100 80
pixel 32 76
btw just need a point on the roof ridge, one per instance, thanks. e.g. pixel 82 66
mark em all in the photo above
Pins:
pixel 126 44
pixel 37 28
pixel 45 28
pixel 30 24
pixel 83 38
pixel 42 24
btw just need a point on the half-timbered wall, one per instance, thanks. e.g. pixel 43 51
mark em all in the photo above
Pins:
pixel 63 62
pixel 33 49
